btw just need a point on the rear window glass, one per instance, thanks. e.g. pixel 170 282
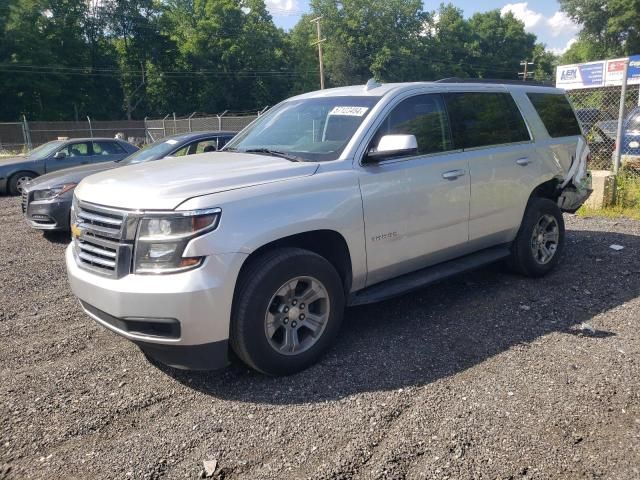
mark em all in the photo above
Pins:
pixel 482 119
pixel 556 113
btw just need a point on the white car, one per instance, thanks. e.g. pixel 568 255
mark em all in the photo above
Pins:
pixel 333 198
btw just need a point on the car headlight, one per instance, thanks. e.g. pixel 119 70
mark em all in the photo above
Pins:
pixel 53 192
pixel 162 239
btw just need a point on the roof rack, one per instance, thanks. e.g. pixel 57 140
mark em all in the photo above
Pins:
pixel 492 81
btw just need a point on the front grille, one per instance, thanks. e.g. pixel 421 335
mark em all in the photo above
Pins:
pixel 25 200
pixel 101 243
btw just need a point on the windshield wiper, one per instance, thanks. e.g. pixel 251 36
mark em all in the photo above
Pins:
pixel 275 153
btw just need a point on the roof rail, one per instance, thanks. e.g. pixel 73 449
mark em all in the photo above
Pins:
pixel 492 81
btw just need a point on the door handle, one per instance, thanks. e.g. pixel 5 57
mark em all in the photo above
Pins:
pixel 453 174
pixel 523 162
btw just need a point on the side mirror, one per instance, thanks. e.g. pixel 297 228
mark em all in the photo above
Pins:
pixel 60 155
pixel 391 146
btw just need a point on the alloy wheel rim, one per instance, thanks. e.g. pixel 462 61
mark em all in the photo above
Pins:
pixel 297 315
pixel 545 239
pixel 21 182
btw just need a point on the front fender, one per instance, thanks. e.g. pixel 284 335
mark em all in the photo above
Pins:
pixel 256 216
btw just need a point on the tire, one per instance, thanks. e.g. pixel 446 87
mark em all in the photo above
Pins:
pixel 269 312
pixel 17 180
pixel 536 255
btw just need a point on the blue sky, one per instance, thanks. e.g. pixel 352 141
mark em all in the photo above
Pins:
pixel 541 17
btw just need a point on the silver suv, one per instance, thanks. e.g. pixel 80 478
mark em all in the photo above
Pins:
pixel 333 198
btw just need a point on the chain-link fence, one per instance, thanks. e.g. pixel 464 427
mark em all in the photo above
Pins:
pixel 611 130
pixel 13 138
pixel 598 110
pixel 172 125
pixel 19 137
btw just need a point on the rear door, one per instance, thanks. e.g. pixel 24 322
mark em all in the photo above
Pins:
pixel 107 151
pixel 503 165
pixel 416 208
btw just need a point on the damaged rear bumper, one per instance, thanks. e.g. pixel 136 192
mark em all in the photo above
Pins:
pixel 572 197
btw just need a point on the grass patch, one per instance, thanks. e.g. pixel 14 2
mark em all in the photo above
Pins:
pixel 626 201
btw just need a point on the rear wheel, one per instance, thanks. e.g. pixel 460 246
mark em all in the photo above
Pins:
pixel 18 181
pixel 540 241
pixel 287 310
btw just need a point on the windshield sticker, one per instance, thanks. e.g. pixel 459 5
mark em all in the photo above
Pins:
pixel 171 142
pixel 350 111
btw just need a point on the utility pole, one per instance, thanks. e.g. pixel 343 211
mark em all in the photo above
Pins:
pixel 319 43
pixel 526 74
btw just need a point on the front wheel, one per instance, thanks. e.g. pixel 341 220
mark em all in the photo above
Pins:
pixel 287 310
pixel 540 241
pixel 18 181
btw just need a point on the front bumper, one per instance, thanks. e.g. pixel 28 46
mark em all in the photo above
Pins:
pixel 196 304
pixel 47 214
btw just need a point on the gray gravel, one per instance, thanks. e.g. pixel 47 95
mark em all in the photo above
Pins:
pixel 486 376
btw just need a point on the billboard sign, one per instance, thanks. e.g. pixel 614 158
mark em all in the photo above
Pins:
pixel 585 75
pixel 605 73
pixel 634 70
pixel 615 71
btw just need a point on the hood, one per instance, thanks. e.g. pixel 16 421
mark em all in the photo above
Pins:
pixel 165 185
pixel 6 162
pixel 69 175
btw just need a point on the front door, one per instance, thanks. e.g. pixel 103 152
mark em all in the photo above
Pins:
pixel 75 153
pixel 416 209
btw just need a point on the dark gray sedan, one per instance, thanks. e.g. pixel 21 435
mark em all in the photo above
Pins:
pixel 46 201
pixel 58 155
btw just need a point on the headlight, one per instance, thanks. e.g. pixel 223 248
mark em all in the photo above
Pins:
pixel 54 192
pixel 162 239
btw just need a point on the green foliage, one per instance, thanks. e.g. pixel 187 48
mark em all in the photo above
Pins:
pixel 65 59
pixel 609 29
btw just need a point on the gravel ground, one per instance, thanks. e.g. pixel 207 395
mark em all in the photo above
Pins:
pixel 486 376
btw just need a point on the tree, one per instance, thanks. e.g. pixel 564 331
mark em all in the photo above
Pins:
pixel 610 28
pixel 447 36
pixel 545 63
pixel 380 38
pixel 499 43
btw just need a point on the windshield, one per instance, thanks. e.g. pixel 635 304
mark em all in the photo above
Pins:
pixel 312 129
pixel 634 122
pixel 45 150
pixel 156 150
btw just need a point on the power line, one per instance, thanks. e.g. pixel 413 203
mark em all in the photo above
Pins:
pixel 174 74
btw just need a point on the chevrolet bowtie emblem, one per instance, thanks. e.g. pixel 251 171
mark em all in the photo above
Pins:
pixel 75 230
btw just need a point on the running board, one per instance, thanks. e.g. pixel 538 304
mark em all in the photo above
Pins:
pixel 427 276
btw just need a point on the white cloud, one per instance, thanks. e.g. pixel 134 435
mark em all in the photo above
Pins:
pixel 523 13
pixel 561 50
pixel 282 7
pixel 557 31
pixel 560 24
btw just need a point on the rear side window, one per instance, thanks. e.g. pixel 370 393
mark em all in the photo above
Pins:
pixel 556 114
pixel 107 148
pixel 481 119
pixel 423 116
